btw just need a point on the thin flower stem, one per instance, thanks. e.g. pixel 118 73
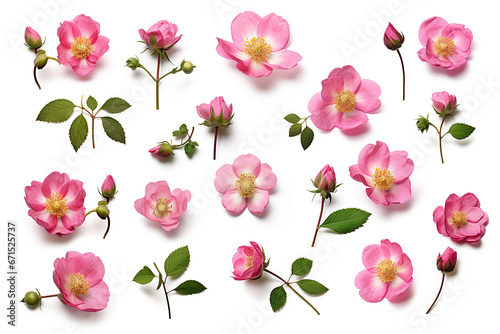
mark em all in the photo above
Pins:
pixel 36 80
pixel 93 140
pixel 435 300
pixel 152 77
pixel 288 284
pixel 319 220
pixel 164 289
pixel 441 140
pixel 94 210
pixel 107 229
pixel 48 296
pixel 215 139
pixel 174 70
pixel 403 67
pixel 158 83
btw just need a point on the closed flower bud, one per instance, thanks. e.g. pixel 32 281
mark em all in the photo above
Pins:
pixel 133 63
pixel 41 59
pixel 187 67
pixel 162 151
pixel 423 123
pixel 446 262
pixel 444 103
pixel 108 188
pixel 32 298
pixel 32 38
pixel 326 180
pixel 102 211
pixel 393 39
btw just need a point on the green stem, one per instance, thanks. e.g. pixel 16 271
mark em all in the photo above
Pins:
pixel 215 139
pixel 319 220
pixel 435 300
pixel 93 121
pixel 288 284
pixel 403 67
pixel 152 77
pixel 441 140
pixel 174 70
pixel 54 59
pixel 48 296
pixel 107 229
pixel 165 290
pixel 94 210
pixel 36 80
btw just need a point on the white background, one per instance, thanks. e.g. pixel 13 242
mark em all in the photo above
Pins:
pixel 321 31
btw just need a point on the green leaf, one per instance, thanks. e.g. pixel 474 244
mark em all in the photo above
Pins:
pixel 277 298
pixel 346 220
pixel 160 281
pixel 295 130
pixel 113 129
pixel 115 105
pixel 176 133
pixel 307 137
pixel 292 118
pixel 78 131
pixel 194 143
pixel 183 129
pixel 189 149
pixel 56 111
pixel 190 287
pixel 301 266
pixel 461 130
pixel 91 103
pixel 177 262
pixel 312 287
pixel 144 276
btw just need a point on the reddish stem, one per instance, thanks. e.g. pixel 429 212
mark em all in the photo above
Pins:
pixel 319 220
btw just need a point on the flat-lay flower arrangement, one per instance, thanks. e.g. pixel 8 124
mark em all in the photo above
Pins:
pixel 346 99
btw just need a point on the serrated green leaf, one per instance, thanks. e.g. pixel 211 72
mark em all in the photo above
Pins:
pixel 292 118
pixel 78 132
pixel 115 105
pixel 277 298
pixel 306 137
pixel 183 129
pixel 301 266
pixel 91 103
pixel 312 287
pixel 113 129
pixel 190 287
pixel 177 262
pixel 56 111
pixel 194 143
pixel 160 281
pixel 189 149
pixel 144 276
pixel 461 131
pixel 295 130
pixel 346 220
pixel 176 133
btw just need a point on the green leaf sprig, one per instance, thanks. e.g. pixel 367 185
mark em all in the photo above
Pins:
pixel 175 265
pixel 167 149
pixel 60 110
pixel 306 133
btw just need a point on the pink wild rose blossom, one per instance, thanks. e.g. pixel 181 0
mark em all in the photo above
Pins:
pixel 388 272
pixel 163 206
pixel 461 219
pixel 161 35
pixel 259 44
pixel 218 106
pixel 444 103
pixel 446 45
pixel 245 183
pixel 56 204
pixel 79 278
pixel 248 262
pixel 344 100
pixel 386 174
pixel 80 44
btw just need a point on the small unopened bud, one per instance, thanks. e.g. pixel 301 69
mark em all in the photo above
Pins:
pixel 423 123
pixel 41 59
pixel 102 211
pixel 31 298
pixel 162 151
pixel 108 188
pixel 133 63
pixel 32 38
pixel 187 66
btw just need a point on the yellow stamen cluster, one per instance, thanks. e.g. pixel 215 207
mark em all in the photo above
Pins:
pixel 257 48
pixel 386 271
pixel 245 184
pixel 345 101
pixel 56 205
pixel 162 208
pixel 78 284
pixel 444 46
pixel 383 179
pixel 249 263
pixel 81 47
pixel 459 219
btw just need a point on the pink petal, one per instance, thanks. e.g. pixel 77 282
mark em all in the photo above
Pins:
pixel 474 214
pixel 225 179
pixel 373 254
pixel 88 27
pixel 462 37
pixel 267 179
pixel 53 183
pixel 283 59
pixel 371 288
pixel 233 202
pixel 34 196
pixel 431 29
pixel 72 219
pixel 84 67
pixel 162 191
pixel 439 219
pixel 258 201
pixel 358 175
pixel 400 166
pixel 100 47
pixel 330 87
pixel 405 268
pixel 456 60
pixel 229 51
pixel 67 32
pixel 452 205
pixel 75 194
pixel 367 96
pixel 44 219
pixel 243 27
pixel 397 287
pixel 470 229
pixel 247 163
pixel 275 31
pixel 65 56
pixel 204 110
pixel 352 119
pixel 377 196
pixel 399 192
pixel 151 188
pixel 96 299
pixel 351 78
pixel 323 115
pixel 255 70
pixel 469 200
pixel 374 156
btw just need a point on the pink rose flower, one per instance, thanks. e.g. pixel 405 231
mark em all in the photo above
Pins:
pixel 161 35
pixel 344 100
pixel 79 279
pixel 446 45
pixel 326 180
pixel 393 39
pixel 162 206
pixel 461 219
pixel 388 272
pixel 32 38
pixel 248 262
pixel 446 262
pixel 444 103
pixel 56 204
pixel 80 44
pixel 108 188
pixel 259 44
pixel 245 183
pixel 386 174
pixel 218 106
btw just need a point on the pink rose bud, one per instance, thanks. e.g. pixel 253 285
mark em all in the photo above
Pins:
pixel 325 180
pixel 444 103
pixel 162 151
pixel 393 39
pixel 161 35
pixel 212 112
pixel 248 262
pixel 446 262
pixel 108 188
pixel 32 38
